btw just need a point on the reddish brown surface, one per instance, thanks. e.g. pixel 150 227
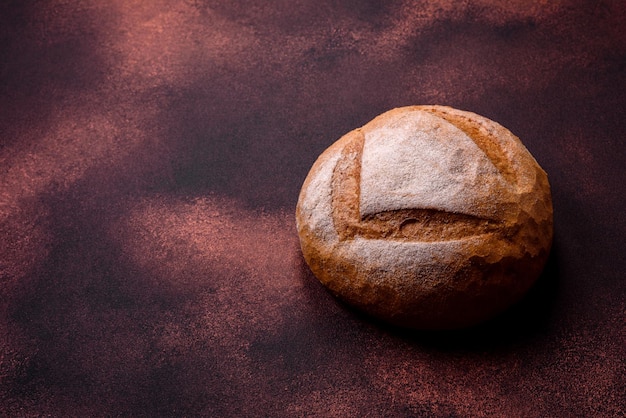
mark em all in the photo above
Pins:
pixel 151 157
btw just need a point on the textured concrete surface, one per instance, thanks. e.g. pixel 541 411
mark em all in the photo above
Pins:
pixel 151 155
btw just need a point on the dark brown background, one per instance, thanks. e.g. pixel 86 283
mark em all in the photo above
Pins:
pixel 151 157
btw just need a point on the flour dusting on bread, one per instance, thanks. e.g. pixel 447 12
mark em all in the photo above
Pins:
pixel 420 160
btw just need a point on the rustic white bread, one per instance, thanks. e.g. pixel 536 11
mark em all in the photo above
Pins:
pixel 426 217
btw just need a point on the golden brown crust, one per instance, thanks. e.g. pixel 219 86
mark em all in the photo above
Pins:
pixel 427 267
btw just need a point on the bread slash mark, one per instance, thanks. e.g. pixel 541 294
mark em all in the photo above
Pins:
pixel 418 224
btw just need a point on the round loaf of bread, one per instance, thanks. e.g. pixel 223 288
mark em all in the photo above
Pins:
pixel 427 217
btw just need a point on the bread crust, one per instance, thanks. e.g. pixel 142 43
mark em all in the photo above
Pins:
pixel 427 217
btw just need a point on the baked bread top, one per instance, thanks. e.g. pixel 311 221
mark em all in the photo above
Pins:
pixel 419 191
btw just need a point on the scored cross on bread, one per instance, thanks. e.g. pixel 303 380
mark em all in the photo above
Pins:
pixel 429 176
